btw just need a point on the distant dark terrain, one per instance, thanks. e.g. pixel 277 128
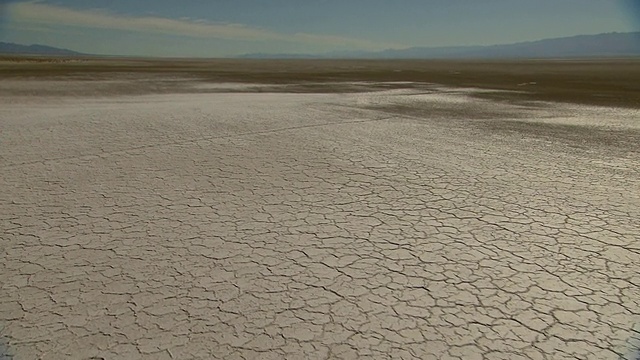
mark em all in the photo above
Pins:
pixel 610 82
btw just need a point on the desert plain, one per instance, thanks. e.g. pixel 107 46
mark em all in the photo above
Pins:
pixel 317 209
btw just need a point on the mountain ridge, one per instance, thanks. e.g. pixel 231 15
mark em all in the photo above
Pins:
pixel 35 49
pixel 598 45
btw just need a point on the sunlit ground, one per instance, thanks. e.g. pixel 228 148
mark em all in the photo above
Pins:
pixel 171 217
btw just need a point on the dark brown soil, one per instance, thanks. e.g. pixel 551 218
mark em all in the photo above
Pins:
pixel 611 82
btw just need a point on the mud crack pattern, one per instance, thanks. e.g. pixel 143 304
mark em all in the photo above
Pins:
pixel 246 226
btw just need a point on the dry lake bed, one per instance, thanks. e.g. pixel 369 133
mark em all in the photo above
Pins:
pixel 179 215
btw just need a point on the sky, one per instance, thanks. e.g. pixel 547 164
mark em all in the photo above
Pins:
pixel 223 28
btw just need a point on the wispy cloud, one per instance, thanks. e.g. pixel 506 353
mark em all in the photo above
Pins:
pixel 35 12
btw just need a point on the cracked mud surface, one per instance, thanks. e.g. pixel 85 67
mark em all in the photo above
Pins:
pixel 320 226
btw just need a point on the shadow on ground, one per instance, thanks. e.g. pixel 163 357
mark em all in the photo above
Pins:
pixel 4 350
pixel 634 345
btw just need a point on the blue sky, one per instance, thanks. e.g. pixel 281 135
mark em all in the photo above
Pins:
pixel 230 27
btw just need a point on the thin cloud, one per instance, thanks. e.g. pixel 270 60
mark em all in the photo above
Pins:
pixel 33 12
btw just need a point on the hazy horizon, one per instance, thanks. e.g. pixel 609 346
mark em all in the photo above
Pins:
pixel 196 28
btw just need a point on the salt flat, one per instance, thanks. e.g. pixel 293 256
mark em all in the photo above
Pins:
pixel 409 223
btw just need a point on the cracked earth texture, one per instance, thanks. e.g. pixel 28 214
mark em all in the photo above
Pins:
pixel 390 225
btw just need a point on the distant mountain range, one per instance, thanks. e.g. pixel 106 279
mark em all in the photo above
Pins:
pixel 11 48
pixel 601 45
